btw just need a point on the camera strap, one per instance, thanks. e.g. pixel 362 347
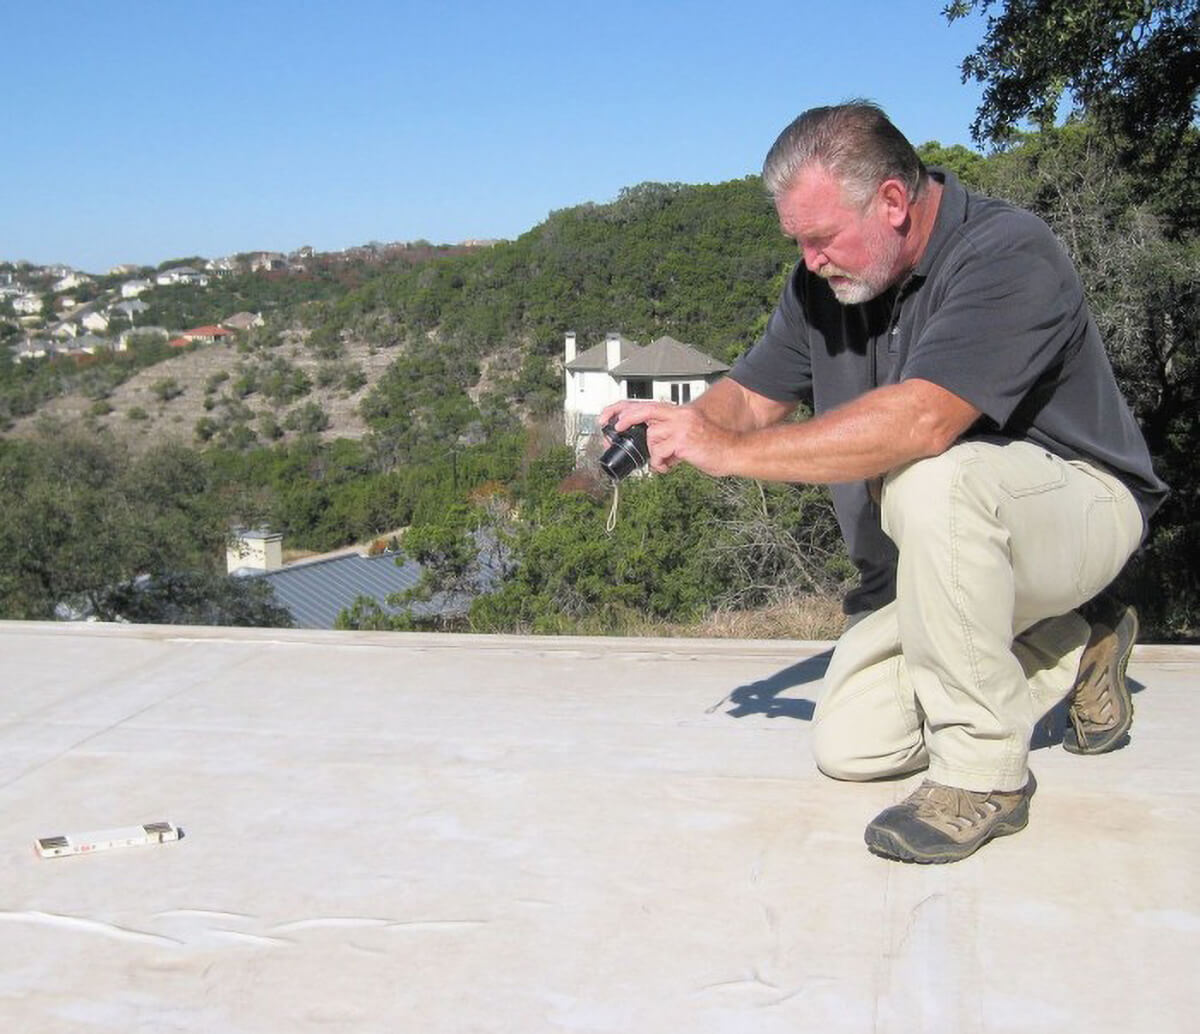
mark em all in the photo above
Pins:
pixel 612 514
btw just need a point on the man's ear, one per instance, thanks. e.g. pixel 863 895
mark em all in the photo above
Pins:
pixel 893 195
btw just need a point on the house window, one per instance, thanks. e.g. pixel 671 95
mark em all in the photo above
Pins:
pixel 640 389
pixel 681 393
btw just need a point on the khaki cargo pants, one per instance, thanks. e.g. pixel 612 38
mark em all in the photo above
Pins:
pixel 999 543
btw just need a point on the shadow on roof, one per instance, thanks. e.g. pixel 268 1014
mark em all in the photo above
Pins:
pixel 762 697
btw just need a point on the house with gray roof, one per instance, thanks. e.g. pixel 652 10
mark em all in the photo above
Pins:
pixel 133 308
pixel 317 590
pixel 665 370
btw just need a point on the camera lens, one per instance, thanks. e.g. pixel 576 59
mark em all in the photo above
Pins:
pixel 626 453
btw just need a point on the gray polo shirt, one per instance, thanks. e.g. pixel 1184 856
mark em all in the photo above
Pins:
pixel 994 312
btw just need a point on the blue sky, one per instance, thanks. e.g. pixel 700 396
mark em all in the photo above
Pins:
pixel 143 131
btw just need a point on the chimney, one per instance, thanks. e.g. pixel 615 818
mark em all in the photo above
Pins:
pixel 612 350
pixel 254 550
pixel 570 353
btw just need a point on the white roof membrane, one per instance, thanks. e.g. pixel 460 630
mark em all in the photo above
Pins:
pixel 408 832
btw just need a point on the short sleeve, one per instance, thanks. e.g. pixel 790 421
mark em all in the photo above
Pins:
pixel 1007 306
pixel 779 366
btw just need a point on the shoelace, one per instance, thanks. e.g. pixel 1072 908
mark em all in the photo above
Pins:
pixel 1093 704
pixel 952 806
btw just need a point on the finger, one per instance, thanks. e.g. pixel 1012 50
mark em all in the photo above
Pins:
pixel 650 413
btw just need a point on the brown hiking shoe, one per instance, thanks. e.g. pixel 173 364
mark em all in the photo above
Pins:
pixel 1101 707
pixel 939 823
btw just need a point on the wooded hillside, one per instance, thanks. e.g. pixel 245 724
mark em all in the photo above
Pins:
pixel 452 369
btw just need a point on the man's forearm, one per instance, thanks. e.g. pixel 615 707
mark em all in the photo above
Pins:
pixel 734 408
pixel 863 439
pixel 741 433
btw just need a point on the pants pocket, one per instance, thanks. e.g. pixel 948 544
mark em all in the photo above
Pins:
pixel 1026 470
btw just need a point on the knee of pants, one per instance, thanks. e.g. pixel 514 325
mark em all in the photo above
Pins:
pixel 833 748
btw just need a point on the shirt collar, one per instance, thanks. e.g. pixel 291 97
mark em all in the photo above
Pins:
pixel 951 214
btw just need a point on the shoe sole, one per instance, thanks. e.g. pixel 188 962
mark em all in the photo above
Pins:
pixel 892 845
pixel 1110 739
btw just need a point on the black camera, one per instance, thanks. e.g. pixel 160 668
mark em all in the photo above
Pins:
pixel 626 452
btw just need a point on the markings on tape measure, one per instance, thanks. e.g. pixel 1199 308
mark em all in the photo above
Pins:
pixel 105 839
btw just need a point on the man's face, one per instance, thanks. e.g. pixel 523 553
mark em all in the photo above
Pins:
pixel 856 251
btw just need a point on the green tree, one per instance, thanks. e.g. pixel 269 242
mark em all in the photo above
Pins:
pixel 80 519
pixel 1132 64
pixel 197 598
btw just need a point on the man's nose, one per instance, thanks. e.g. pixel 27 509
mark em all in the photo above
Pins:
pixel 814 258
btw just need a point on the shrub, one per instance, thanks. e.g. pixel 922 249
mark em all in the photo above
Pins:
pixel 307 419
pixel 166 389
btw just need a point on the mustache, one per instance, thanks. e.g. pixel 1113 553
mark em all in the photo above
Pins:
pixel 827 272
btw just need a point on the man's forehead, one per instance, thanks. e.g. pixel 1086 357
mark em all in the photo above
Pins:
pixel 814 200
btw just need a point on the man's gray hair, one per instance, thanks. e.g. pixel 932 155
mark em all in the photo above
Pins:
pixel 855 141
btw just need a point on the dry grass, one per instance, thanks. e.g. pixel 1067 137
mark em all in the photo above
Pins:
pixel 813 617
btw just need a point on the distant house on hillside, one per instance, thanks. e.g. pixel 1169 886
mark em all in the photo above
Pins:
pixel 132 309
pixel 665 370
pixel 243 321
pixel 181 275
pixel 96 322
pixel 71 281
pixel 132 288
pixel 207 335
pixel 266 261
pixel 221 266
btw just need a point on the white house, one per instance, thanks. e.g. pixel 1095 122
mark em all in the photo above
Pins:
pixel 96 322
pixel 132 288
pixel 224 266
pixel 665 370
pixel 71 281
pixel 181 275
pixel 266 261
pixel 27 304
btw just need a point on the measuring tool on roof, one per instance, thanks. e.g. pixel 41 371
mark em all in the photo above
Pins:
pixel 104 839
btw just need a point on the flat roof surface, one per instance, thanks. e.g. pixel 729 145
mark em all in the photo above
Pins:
pixel 441 833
